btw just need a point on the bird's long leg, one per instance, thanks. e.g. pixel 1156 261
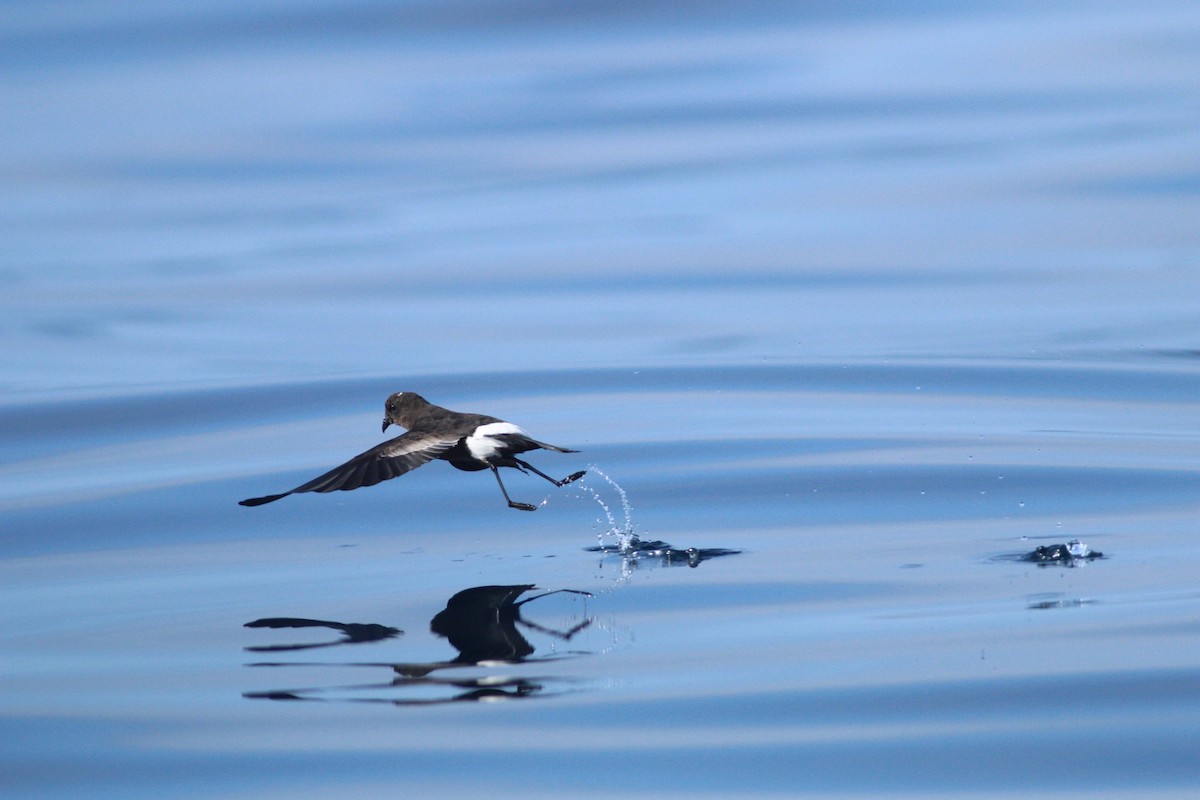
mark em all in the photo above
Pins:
pixel 574 476
pixel 511 503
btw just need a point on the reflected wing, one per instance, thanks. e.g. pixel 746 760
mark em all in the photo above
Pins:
pixel 382 462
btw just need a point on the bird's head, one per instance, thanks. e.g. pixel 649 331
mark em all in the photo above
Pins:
pixel 401 408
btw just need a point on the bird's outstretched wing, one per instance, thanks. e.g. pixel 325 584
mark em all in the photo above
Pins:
pixel 382 462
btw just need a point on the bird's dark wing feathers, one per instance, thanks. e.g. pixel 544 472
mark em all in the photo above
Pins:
pixel 382 462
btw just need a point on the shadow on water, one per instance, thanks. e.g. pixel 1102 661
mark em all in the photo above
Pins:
pixel 482 623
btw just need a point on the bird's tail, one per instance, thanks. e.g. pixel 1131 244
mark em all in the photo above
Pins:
pixel 553 447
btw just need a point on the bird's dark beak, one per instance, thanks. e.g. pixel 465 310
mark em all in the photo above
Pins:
pixel 386 422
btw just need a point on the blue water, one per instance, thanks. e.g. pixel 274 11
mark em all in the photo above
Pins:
pixel 847 306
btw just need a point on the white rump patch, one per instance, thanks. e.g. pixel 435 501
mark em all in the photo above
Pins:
pixel 483 446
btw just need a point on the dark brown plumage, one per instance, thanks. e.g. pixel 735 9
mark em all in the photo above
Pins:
pixel 469 442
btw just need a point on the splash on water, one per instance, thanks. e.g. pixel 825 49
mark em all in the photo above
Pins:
pixel 620 539
pixel 626 539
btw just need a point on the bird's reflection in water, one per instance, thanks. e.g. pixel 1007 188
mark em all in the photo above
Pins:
pixel 481 623
pixel 352 632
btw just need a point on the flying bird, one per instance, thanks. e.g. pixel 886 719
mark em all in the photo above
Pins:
pixel 470 442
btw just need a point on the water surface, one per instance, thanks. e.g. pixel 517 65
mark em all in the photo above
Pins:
pixel 856 303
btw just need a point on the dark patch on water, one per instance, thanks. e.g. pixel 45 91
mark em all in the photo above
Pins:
pixel 1070 554
pixel 661 554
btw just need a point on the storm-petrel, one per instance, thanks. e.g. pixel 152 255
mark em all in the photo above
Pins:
pixel 468 441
